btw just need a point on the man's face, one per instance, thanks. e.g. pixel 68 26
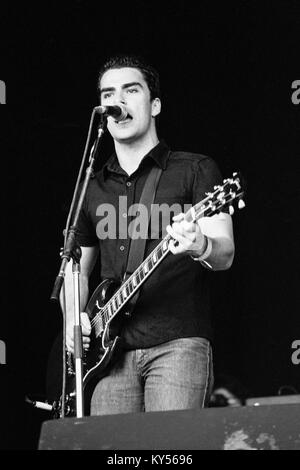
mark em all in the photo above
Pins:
pixel 128 87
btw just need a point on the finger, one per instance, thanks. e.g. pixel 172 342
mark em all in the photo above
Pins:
pixel 85 331
pixel 179 244
pixel 191 236
pixel 184 228
pixel 70 345
pixel 189 226
pixel 178 217
pixel 184 240
pixel 85 323
pixel 175 247
pixel 177 227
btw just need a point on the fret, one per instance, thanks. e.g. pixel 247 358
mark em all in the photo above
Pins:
pixel 134 281
pixel 110 309
pixel 146 268
pixel 159 252
pixel 123 294
pixel 165 245
pixel 129 287
pixel 141 274
pixel 126 289
pixel 154 257
pixel 103 317
pixel 114 303
pixel 109 313
pixel 119 300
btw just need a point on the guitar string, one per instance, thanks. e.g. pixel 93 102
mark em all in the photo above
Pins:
pixel 138 272
pixel 104 312
pixel 101 315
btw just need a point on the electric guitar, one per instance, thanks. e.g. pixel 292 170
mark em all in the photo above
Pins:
pixel 108 306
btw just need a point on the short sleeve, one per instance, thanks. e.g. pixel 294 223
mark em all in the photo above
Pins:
pixel 207 176
pixel 86 234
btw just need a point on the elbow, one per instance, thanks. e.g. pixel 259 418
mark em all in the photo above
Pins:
pixel 229 262
pixel 229 257
pixel 226 260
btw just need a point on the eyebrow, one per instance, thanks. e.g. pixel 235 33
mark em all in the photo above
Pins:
pixel 126 85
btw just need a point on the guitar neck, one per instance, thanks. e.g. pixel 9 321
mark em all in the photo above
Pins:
pixel 221 197
pixel 146 268
pixel 136 279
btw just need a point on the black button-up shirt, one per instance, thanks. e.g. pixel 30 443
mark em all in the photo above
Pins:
pixel 174 300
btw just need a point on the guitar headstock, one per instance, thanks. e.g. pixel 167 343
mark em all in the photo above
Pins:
pixel 223 197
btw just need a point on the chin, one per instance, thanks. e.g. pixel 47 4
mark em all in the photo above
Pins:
pixel 125 137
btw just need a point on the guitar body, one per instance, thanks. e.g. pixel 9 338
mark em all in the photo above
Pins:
pixel 105 349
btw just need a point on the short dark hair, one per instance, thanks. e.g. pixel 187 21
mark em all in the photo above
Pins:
pixel 149 73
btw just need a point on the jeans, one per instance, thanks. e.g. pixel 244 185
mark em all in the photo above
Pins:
pixel 175 375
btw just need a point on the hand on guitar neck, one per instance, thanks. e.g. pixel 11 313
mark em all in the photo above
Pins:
pixel 188 235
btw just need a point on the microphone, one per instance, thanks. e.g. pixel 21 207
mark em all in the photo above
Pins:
pixel 118 112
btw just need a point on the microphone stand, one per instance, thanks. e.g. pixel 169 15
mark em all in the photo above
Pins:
pixel 72 250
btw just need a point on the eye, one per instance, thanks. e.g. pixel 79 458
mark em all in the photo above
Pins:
pixel 132 90
pixel 107 94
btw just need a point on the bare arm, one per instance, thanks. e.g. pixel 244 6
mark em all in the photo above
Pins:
pixel 191 238
pixel 219 230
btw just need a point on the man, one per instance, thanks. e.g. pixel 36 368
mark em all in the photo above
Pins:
pixel 167 360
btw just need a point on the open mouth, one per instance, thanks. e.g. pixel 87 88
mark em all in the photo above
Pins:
pixel 127 119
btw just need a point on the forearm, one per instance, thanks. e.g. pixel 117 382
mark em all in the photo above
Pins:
pixel 219 255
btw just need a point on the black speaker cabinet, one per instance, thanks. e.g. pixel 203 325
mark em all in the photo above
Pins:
pixel 271 427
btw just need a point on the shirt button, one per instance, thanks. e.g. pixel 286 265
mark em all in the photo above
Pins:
pixel 128 183
pixel 124 215
pixel 122 247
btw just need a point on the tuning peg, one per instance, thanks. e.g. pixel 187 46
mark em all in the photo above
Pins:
pixel 241 204
pixel 231 210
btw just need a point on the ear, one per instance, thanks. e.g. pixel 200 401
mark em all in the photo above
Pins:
pixel 156 107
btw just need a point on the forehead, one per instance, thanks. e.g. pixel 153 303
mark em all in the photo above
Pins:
pixel 118 77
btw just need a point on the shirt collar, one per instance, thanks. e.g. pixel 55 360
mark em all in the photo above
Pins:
pixel 159 154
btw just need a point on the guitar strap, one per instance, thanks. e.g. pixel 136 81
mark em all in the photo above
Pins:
pixel 137 245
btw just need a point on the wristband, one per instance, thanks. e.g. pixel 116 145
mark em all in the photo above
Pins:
pixel 207 249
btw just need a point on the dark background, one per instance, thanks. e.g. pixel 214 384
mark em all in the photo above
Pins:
pixel 226 76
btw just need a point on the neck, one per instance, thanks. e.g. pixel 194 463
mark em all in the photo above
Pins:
pixel 131 154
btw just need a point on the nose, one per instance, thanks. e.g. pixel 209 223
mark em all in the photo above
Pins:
pixel 120 97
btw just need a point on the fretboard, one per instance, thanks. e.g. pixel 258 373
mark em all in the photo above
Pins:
pixel 134 282
pixel 214 202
